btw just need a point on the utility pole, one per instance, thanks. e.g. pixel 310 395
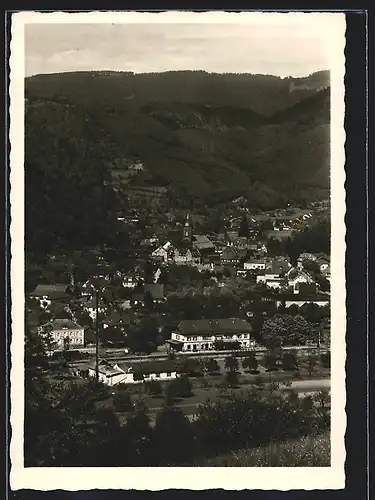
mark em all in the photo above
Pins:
pixel 97 292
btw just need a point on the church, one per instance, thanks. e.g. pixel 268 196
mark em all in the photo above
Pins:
pixel 190 250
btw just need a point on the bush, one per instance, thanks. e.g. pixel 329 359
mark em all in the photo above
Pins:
pixel 122 402
pixel 325 360
pixel 251 363
pixel 232 379
pixel 259 381
pixel 154 387
pixel 212 365
pixel 179 388
pixel 231 363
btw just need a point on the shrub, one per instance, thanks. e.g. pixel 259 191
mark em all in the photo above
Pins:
pixel 232 379
pixel 122 402
pixel 154 387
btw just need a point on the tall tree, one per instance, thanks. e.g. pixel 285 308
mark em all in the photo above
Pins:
pixel 244 229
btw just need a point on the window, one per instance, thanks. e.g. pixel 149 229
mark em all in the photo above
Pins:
pixel 169 374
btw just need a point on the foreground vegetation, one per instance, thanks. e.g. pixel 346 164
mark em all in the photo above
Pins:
pixel 306 452
pixel 65 426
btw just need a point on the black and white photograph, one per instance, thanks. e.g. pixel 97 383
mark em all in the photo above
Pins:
pixel 178 248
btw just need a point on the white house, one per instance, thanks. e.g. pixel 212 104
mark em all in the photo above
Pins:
pixel 187 256
pixel 300 302
pixel 295 277
pixel 130 281
pixel 254 264
pixel 203 334
pixel 90 308
pixel 162 252
pixel 46 293
pixel 134 373
pixel 65 331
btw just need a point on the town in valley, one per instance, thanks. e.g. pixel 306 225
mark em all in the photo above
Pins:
pixel 177 262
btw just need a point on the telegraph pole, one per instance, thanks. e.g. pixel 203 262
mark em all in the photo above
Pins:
pixel 97 291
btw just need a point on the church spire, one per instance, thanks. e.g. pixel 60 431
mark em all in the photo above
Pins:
pixel 187 234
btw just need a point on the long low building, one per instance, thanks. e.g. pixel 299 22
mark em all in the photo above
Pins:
pixel 134 373
pixel 205 334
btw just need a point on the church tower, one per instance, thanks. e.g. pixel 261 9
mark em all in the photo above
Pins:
pixel 188 232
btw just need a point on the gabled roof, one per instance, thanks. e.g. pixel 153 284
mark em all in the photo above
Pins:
pixel 229 254
pixel 278 266
pixel 156 290
pixel 118 318
pixel 51 291
pixel 214 326
pixel 201 242
pixel 62 324
pixel 148 367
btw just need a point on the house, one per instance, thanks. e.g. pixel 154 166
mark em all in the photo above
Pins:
pixel 323 263
pixel 296 277
pixel 203 244
pixel 162 253
pixel 117 319
pixel 136 167
pixel 204 334
pixel 134 373
pixel 326 273
pixel 46 293
pixel 273 276
pixel 253 264
pixel 90 307
pixel 65 332
pixel 185 255
pixel 229 256
pixel 131 281
pixel 318 300
pixel 156 290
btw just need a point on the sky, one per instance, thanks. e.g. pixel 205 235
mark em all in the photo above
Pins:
pixel 279 48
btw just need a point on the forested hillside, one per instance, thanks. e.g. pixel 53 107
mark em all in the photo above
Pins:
pixel 208 137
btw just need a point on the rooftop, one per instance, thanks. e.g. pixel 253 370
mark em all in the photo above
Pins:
pixel 213 326
pixel 62 324
pixel 201 242
pixel 53 291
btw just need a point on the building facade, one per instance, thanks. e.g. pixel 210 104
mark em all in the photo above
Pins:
pixel 204 335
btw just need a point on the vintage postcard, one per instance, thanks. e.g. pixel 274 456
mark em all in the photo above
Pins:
pixel 178 250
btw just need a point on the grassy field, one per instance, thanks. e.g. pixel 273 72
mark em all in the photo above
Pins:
pixel 305 452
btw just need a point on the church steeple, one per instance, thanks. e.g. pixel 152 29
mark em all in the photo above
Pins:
pixel 187 232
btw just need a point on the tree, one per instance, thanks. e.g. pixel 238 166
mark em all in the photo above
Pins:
pixel 231 363
pixel 212 365
pixel 232 378
pixel 154 387
pixel 250 363
pixel 243 230
pixel 122 402
pixel 270 361
pixel 148 301
pixel 292 330
pixel 173 437
pixel 289 361
pixel 180 388
pixel 312 361
pixel 140 436
pixel 325 359
pixel 323 398
pixel 142 337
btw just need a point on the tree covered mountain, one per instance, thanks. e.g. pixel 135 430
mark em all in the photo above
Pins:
pixel 209 137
